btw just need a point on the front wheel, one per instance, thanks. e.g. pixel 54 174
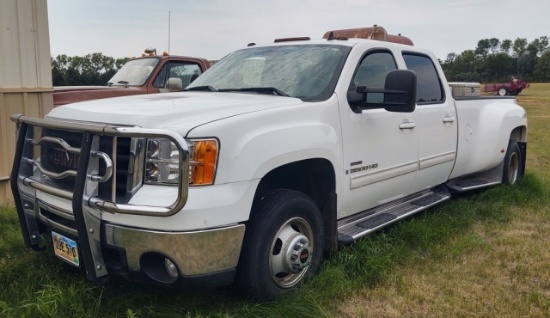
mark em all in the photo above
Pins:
pixel 502 91
pixel 512 164
pixel 283 245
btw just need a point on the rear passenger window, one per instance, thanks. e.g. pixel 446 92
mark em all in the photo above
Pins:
pixel 428 90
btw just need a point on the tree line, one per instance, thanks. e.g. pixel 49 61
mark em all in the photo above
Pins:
pixel 494 60
pixel 92 69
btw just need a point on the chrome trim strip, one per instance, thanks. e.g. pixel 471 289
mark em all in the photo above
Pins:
pixel 436 160
pixel 113 207
pixel 360 180
pixel 194 253
pixel 485 185
pixel 113 183
pixel 46 188
pixel 55 140
pixel 64 174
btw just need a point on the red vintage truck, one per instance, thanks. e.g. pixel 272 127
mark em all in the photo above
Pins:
pixel 148 74
pixel 514 87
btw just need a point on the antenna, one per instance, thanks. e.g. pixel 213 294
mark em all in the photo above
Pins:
pixel 168 32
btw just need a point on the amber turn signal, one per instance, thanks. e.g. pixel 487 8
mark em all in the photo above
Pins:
pixel 204 158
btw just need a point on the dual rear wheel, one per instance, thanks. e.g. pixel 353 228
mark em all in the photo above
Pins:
pixel 512 163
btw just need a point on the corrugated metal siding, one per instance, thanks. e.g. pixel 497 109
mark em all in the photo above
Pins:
pixel 25 60
pixel 25 73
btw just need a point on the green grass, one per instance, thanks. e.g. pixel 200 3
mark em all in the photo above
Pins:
pixel 482 254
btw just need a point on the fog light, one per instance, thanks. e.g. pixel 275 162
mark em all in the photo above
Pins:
pixel 171 268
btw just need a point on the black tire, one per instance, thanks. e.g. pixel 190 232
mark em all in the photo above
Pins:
pixel 512 164
pixel 283 245
pixel 502 91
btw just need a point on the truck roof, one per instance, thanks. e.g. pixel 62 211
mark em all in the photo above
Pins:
pixel 348 37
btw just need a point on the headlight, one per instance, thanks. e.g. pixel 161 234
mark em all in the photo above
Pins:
pixel 161 162
pixel 203 160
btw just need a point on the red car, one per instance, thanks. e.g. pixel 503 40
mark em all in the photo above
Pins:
pixel 514 87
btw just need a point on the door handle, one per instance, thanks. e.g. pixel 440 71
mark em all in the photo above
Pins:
pixel 407 125
pixel 448 120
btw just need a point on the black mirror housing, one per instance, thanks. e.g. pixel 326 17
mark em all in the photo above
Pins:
pixel 400 91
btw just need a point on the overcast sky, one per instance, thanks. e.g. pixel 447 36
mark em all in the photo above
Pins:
pixel 213 28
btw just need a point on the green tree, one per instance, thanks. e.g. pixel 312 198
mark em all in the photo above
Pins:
pixel 483 47
pixel 542 67
pixel 505 46
pixel 520 45
pixel 494 45
pixel 92 69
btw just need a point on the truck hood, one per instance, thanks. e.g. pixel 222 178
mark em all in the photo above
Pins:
pixel 181 111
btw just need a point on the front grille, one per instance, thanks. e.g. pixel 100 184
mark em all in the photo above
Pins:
pixel 105 190
pixel 54 158
pixel 49 157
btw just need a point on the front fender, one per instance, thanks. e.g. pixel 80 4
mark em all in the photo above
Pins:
pixel 253 144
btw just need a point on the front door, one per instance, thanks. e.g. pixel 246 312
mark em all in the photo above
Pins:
pixel 380 147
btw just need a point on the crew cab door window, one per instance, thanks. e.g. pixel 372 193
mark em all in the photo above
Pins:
pixel 428 89
pixel 187 72
pixel 372 73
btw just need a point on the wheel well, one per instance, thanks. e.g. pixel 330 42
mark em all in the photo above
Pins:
pixel 314 177
pixel 519 134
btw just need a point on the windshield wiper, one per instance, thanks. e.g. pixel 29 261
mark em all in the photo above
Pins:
pixel 261 90
pixel 123 82
pixel 202 88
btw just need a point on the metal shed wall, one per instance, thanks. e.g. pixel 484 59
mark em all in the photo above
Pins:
pixel 25 73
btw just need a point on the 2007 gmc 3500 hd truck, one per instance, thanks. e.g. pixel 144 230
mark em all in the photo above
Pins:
pixel 278 153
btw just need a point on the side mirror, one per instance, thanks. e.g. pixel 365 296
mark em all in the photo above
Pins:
pixel 357 95
pixel 400 91
pixel 174 84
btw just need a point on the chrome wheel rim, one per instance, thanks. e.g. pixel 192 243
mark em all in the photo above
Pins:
pixel 513 168
pixel 291 252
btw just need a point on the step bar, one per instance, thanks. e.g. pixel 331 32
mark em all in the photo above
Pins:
pixel 356 226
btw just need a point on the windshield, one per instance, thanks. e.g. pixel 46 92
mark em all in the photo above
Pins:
pixel 134 72
pixel 308 72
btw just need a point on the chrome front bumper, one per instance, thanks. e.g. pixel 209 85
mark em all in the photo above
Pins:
pixel 194 253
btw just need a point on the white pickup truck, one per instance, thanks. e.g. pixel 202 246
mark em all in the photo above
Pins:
pixel 278 153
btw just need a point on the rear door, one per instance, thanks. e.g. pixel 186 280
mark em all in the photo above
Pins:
pixel 436 123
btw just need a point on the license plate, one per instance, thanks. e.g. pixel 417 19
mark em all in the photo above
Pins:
pixel 65 248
